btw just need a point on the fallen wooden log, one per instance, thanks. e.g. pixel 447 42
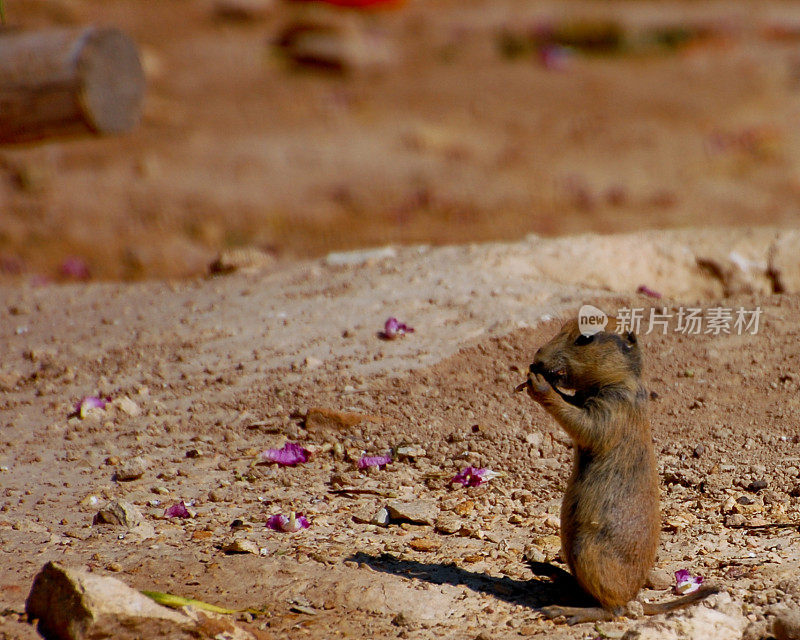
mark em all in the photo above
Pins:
pixel 68 81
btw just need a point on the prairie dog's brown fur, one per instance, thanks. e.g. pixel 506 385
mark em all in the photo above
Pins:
pixel 610 518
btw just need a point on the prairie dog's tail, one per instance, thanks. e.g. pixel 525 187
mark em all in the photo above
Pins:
pixel 654 608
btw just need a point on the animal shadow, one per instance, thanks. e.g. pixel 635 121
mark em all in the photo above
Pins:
pixel 548 585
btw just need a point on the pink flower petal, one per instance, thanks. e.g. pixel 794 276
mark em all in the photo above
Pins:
pixel 473 477
pixel 83 406
pixel 395 329
pixel 290 455
pixel 374 461
pixel 686 583
pixel 177 510
pixel 647 291
pixel 11 264
pixel 555 57
pixel 74 268
pixel 288 525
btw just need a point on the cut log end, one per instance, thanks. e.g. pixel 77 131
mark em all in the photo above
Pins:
pixel 112 81
pixel 67 81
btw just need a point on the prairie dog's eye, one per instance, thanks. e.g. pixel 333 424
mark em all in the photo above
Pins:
pixel 583 340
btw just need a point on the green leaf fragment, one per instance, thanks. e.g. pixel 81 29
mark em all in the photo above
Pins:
pixel 176 602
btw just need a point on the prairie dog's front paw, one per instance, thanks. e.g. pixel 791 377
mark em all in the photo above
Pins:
pixel 537 387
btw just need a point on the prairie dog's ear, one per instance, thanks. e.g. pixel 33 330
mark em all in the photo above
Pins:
pixel 631 336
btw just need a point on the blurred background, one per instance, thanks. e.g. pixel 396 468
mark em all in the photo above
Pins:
pixel 302 128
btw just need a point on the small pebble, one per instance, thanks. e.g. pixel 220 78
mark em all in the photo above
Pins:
pixel 128 406
pixel 381 518
pixel 416 511
pixel 659 579
pixel 241 545
pixel 448 523
pixel 424 544
pixel 133 469
pixel 699 450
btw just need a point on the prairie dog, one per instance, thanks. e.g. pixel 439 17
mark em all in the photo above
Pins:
pixel 610 517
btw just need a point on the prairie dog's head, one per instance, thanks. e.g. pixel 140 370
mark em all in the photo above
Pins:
pixel 572 360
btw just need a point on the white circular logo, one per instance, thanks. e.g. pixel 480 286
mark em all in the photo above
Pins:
pixel 591 320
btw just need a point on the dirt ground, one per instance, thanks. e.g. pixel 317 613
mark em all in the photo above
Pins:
pixel 205 374
pixel 458 139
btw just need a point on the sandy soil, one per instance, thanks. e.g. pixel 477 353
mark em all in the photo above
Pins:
pixel 454 142
pixel 217 370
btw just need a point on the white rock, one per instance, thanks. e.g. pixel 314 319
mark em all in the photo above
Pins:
pixel 73 604
pixel 124 514
pixel 121 513
pixel 381 517
pixel 128 406
pixel 725 621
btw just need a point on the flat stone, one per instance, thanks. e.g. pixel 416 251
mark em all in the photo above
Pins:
pixel 410 452
pixel 120 513
pixel 133 469
pixel 241 545
pixel 424 544
pixel 415 511
pixel 29 526
pixel 448 523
